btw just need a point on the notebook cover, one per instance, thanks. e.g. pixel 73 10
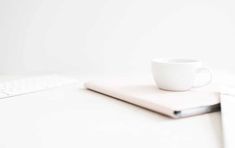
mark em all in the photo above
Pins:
pixel 147 95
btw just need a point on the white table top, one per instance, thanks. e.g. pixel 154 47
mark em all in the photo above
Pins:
pixel 75 117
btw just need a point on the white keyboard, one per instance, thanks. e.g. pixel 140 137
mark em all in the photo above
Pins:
pixel 32 84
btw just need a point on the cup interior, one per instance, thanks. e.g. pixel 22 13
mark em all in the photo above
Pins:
pixel 176 60
pixel 182 61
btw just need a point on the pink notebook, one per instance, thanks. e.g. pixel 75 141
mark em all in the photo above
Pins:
pixel 147 95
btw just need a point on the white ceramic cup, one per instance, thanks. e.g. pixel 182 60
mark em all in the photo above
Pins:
pixel 178 74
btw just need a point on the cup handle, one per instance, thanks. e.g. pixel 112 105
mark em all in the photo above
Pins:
pixel 204 70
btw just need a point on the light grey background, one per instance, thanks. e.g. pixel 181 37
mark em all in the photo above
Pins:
pixel 105 36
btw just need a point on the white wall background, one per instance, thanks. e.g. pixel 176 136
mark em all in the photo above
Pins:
pixel 104 36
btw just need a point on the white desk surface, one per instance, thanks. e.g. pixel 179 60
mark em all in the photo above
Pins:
pixel 72 117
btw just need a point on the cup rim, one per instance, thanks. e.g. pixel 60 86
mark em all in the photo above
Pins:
pixel 176 60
